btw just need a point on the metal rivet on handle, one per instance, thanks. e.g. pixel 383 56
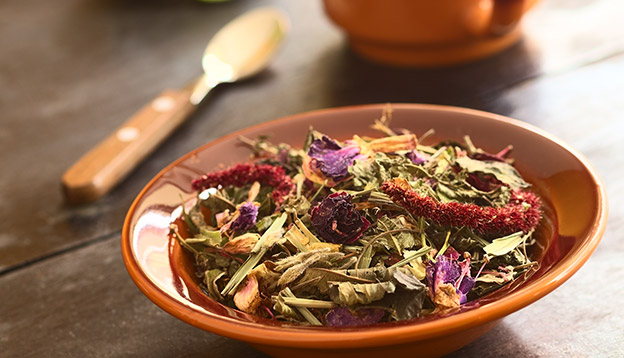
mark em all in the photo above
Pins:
pixel 163 103
pixel 127 134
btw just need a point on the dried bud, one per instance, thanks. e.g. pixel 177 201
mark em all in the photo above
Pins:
pixel 336 220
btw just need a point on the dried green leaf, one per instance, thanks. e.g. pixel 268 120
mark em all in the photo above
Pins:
pixel 349 294
pixel 294 266
pixel 210 281
pixel 272 235
pixel 322 254
pixel 366 257
pixel 299 205
pixel 370 173
pixel 190 223
pixel 206 237
pixel 309 303
pixel 376 273
pixel 408 298
pixel 504 172
pixel 261 247
pixel 413 256
pixel 319 278
pixel 503 245
pixel 401 240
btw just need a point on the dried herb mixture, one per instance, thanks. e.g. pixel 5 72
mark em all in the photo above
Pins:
pixel 362 231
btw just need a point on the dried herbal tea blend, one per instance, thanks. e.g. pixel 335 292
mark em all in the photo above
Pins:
pixel 359 232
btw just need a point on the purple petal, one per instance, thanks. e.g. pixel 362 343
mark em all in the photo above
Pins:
pixel 321 145
pixel 465 286
pixel 344 317
pixel 483 182
pixel 247 219
pixel 447 269
pixel 416 157
pixel 331 159
pixel 451 253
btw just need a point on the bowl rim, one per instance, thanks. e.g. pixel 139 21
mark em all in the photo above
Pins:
pixel 315 337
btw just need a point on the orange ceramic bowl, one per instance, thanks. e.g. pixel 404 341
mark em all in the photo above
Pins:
pixel 567 236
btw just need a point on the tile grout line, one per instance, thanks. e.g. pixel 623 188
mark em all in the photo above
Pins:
pixel 51 255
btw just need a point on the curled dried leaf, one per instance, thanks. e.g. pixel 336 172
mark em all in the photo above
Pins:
pixel 316 258
pixel 349 294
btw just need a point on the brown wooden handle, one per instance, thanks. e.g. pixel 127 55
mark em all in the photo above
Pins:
pixel 111 160
pixel 506 14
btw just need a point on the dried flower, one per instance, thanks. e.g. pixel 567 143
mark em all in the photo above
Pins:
pixel 244 174
pixel 448 272
pixel 241 245
pixel 344 317
pixel 331 159
pixel 416 157
pixel 247 298
pixel 522 213
pixel 248 213
pixel 336 220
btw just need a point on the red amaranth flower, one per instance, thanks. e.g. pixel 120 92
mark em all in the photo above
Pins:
pixel 522 213
pixel 244 174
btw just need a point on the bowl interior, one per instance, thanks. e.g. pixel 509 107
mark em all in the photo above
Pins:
pixel 567 236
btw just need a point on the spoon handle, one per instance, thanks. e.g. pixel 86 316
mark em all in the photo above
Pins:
pixel 111 160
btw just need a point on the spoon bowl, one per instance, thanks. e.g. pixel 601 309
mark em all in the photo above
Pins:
pixel 241 49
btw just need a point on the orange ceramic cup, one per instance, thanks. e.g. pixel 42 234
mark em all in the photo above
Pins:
pixel 428 32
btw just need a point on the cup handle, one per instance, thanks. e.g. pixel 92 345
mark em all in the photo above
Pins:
pixel 506 14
